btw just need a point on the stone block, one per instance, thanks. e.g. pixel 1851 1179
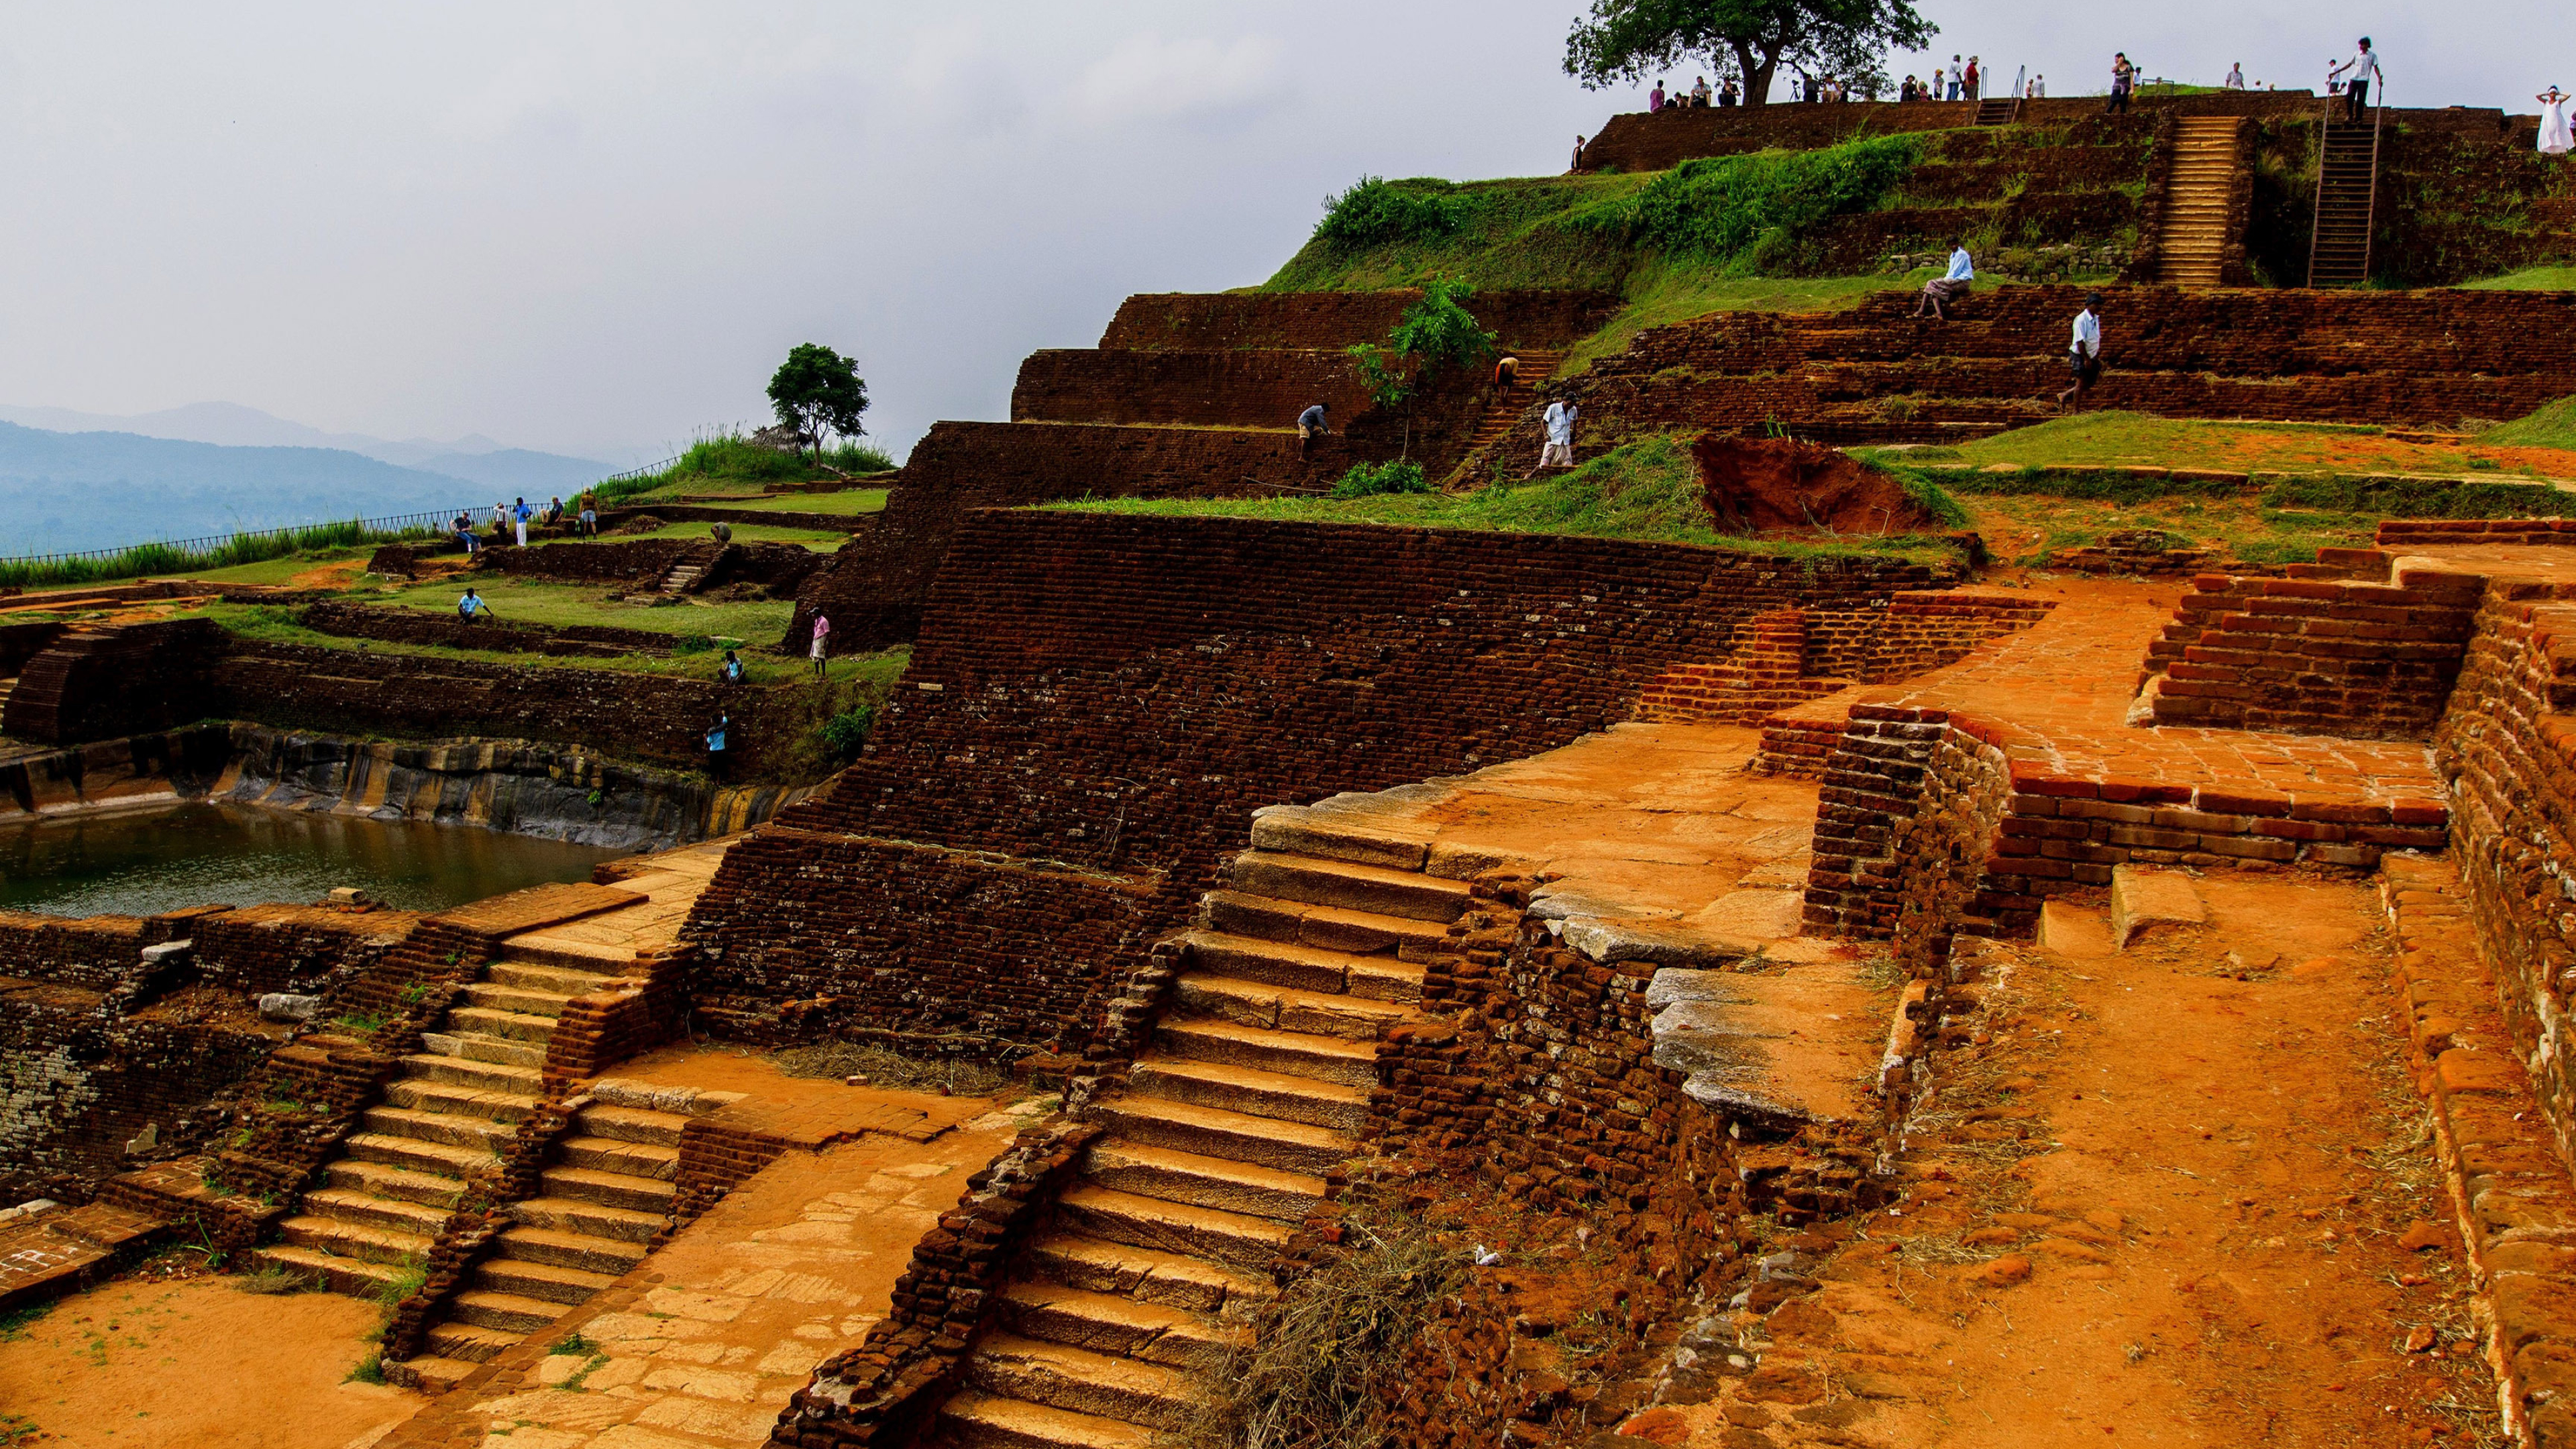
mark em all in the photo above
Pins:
pixel 2145 902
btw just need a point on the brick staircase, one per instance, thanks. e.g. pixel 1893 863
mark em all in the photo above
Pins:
pixel 445 1120
pixel 688 569
pixel 1259 1073
pixel 1998 110
pixel 1508 404
pixel 2191 249
pixel 2347 180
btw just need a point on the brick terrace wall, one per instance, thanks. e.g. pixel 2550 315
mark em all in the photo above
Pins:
pixel 1239 388
pixel 445 628
pixel 74 1087
pixel 2358 356
pixel 1205 321
pixel 22 642
pixel 1125 691
pixel 873 589
pixel 2420 532
pixel 94 953
pixel 259 949
pixel 2350 658
pixel 2507 752
pixel 949 953
pixel 631 561
pixel 99 683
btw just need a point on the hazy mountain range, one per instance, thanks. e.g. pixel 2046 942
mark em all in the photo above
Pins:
pixel 71 480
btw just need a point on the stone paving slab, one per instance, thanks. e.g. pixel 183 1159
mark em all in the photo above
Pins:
pixel 54 1250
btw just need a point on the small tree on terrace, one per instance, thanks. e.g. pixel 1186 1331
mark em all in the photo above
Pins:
pixel 817 392
pixel 1630 40
pixel 1434 335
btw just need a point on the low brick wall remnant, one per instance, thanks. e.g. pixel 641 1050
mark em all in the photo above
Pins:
pixel 2346 657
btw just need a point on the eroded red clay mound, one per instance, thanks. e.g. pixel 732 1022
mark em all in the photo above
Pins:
pixel 1781 485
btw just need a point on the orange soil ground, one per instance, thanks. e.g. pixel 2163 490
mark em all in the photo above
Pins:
pixel 2166 1200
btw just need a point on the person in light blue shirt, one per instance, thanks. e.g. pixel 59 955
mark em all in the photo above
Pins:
pixel 1951 285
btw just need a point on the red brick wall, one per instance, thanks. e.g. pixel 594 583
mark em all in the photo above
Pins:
pixel 2347 657
pixel 94 953
pixel 1241 388
pixel 1334 320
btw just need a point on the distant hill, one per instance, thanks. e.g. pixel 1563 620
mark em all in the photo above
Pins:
pixel 474 458
pixel 63 491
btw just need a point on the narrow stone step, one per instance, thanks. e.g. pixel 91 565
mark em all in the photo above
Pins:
pixel 1285 1008
pixel 563 981
pixel 476 1047
pixel 1252 1092
pixel 507 1025
pixel 452 1129
pixel 387 1214
pixel 973 1420
pixel 1061 1376
pixel 515 1000
pixel 470 1343
pixel 539 1280
pixel 1296 1054
pixel 634 1124
pixel 1198 1180
pixel 629 1159
pixel 1150 1275
pixel 498 1078
pixel 602 963
pixel 1306 968
pixel 588 1219
pixel 1370 888
pixel 1234 1240
pixel 1108 1323
pixel 1216 1132
pixel 424 1094
pixel 1331 835
pixel 350 1277
pixel 506 1312
pixel 379 1180
pixel 430 1373
pixel 1329 927
pixel 416 1155
pixel 609 1189
pixel 587 1252
pixel 339 1238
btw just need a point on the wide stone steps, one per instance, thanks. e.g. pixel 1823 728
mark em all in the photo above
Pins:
pixel 427 1094
pixel 1158 1276
pixel 341 1238
pixel 1304 968
pixel 466 1343
pixel 1287 1008
pixel 1251 1091
pixel 1195 1179
pixel 517 1000
pixel 1287 1053
pixel 575 1217
pixel 528 1056
pixel 975 1420
pixel 1378 890
pixel 620 1190
pixel 500 1079
pixel 364 1209
pixel 621 1158
pixel 354 1277
pixel 558 980
pixel 416 1155
pixel 1229 1239
pixel 504 1312
pixel 507 1025
pixel 545 1281
pixel 376 1179
pixel 1061 1376
pixel 1218 1132
pixel 484 1135
pixel 1328 928
pixel 634 1124
pixel 1109 1323
pixel 588 1252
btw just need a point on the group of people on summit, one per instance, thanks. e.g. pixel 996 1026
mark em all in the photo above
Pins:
pixel 1966 78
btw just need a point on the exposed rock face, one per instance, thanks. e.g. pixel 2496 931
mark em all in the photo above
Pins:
pixel 1780 485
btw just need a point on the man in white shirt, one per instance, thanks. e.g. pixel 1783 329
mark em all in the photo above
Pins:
pixel 1958 79
pixel 1558 450
pixel 2084 352
pixel 2235 77
pixel 1951 285
pixel 2357 74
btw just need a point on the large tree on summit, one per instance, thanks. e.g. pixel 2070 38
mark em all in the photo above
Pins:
pixel 1630 40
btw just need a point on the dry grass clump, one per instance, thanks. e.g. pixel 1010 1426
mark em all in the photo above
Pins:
pixel 275 1280
pixel 1327 1358
pixel 885 1068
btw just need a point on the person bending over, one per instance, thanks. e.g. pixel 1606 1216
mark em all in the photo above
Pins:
pixel 1310 426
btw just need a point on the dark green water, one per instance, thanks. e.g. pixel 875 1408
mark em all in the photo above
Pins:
pixel 161 860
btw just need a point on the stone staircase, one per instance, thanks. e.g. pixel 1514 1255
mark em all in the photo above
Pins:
pixel 1509 403
pixel 2191 249
pixel 1998 110
pixel 2347 178
pixel 688 569
pixel 448 1117
pixel 1257 1079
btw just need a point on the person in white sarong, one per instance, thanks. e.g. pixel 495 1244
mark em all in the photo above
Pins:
pixel 2556 138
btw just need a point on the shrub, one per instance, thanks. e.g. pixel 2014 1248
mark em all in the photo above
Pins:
pixel 732 457
pixel 275 1280
pixel 1376 211
pixel 1744 209
pixel 846 732
pixel 1368 480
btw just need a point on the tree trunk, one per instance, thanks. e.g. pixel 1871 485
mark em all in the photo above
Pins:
pixel 1757 74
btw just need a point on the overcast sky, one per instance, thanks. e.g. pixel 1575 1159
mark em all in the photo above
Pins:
pixel 596 228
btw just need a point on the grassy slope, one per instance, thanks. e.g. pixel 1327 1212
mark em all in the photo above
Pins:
pixel 742 533
pixel 848 500
pixel 758 621
pixel 2541 446
pixel 2529 279
pixel 1646 490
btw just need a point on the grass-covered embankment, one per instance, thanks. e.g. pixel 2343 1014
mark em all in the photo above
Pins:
pixel 161 560
pixel 731 463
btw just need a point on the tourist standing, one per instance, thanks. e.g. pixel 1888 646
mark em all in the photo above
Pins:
pixel 1951 285
pixel 731 673
pixel 589 514
pixel 1957 79
pixel 716 746
pixel 2038 87
pixel 2084 353
pixel 2357 74
pixel 2235 77
pixel 1310 426
pixel 2555 136
pixel 2123 77
pixel 1655 98
pixel 1976 79
pixel 822 630
pixel 520 513
pixel 1578 155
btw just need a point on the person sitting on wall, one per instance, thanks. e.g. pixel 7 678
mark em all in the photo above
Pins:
pixel 554 510
pixel 2084 353
pixel 1310 426
pixel 1699 93
pixel 471 606
pixel 464 531
pixel 1950 286
pixel 716 747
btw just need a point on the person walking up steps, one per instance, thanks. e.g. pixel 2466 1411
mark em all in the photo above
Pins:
pixel 822 628
pixel 2084 353
pixel 1950 286
pixel 1310 426
pixel 2357 74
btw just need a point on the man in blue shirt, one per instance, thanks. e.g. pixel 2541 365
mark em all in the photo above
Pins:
pixel 716 747
pixel 520 513
pixel 1951 285
pixel 472 607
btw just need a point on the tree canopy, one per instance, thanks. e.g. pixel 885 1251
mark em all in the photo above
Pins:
pixel 1631 40
pixel 817 391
